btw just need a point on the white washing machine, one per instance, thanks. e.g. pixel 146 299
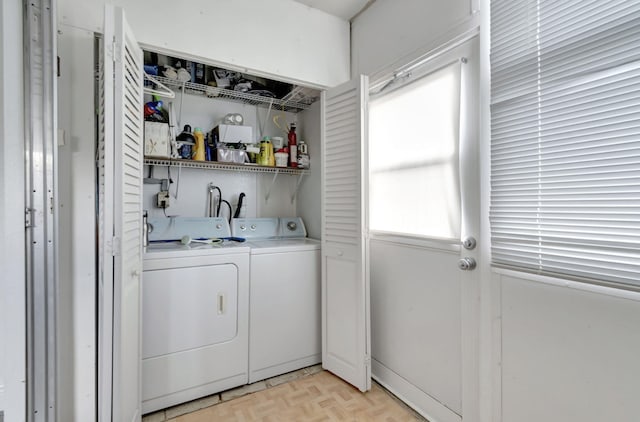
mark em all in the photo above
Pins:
pixel 195 307
pixel 284 324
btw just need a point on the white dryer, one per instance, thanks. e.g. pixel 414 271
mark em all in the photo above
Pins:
pixel 285 324
pixel 195 304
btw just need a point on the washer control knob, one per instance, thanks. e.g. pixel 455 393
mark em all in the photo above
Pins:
pixel 291 225
pixel 467 264
pixel 218 226
pixel 253 227
pixel 243 227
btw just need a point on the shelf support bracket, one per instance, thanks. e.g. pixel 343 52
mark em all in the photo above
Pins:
pixel 295 192
pixel 273 181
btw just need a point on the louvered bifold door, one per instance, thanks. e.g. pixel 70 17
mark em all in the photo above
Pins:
pixel 127 141
pixel 346 341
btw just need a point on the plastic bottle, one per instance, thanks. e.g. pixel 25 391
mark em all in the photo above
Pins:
pixel 266 157
pixel 272 156
pixel 199 149
pixel 293 147
pixel 303 155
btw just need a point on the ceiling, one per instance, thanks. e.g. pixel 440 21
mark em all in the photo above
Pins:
pixel 344 9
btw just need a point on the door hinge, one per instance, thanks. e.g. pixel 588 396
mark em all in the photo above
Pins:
pixel 367 360
pixel 28 217
pixel 114 246
pixel 114 51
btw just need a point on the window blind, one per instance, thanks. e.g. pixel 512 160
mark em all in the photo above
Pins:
pixel 565 138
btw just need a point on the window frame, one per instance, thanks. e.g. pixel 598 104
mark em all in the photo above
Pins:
pixel 465 48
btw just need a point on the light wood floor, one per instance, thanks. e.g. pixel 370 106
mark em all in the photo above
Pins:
pixel 317 397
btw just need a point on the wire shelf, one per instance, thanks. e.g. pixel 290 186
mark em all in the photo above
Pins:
pixel 298 102
pixel 216 165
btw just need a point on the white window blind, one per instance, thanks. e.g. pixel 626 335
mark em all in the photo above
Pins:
pixel 565 138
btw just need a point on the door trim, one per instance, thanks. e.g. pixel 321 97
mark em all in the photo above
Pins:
pixel 41 208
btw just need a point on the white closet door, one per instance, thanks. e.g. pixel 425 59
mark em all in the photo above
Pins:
pixel 122 209
pixel 346 344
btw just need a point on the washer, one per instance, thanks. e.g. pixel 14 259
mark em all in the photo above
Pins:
pixel 195 306
pixel 284 315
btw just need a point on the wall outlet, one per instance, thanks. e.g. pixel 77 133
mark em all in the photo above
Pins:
pixel 163 199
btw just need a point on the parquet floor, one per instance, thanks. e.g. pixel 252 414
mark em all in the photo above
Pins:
pixel 318 397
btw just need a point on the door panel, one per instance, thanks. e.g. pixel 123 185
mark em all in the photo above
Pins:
pixel 341 316
pixel 418 307
pixel 424 308
pixel 345 284
pixel 120 151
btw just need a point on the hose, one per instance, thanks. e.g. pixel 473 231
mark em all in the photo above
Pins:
pixel 239 207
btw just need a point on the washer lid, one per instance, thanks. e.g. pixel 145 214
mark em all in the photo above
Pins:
pixel 283 245
pixel 177 250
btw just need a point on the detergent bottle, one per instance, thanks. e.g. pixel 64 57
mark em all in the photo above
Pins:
pixel 199 149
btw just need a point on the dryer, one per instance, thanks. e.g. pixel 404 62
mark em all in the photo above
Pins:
pixel 285 324
pixel 195 305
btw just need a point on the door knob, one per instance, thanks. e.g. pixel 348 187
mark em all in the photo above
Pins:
pixel 469 243
pixel 466 264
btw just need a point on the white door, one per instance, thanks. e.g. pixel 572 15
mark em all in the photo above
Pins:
pixel 345 283
pixel 424 201
pixel 120 191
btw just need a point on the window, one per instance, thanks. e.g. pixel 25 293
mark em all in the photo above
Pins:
pixel 565 138
pixel 413 157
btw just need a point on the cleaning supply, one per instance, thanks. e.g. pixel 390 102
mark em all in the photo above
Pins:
pixel 266 157
pixel 293 147
pixel 303 155
pixel 199 152
pixel 272 156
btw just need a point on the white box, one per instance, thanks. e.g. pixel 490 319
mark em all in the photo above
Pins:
pixel 233 134
pixel 157 140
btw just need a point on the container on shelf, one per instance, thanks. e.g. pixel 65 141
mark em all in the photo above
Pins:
pixel 281 159
pixel 293 147
pixel 199 149
pixel 303 156
pixel 266 157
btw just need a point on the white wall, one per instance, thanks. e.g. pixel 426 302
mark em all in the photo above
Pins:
pixel 12 259
pixel 271 37
pixel 391 33
pixel 568 354
pixel 76 181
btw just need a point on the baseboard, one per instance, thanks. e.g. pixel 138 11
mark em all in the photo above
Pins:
pixel 415 398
